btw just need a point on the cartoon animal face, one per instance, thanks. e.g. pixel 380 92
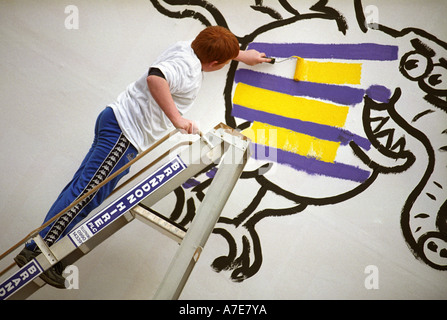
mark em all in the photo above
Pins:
pixel 424 215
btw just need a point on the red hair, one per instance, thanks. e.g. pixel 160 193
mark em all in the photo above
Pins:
pixel 215 43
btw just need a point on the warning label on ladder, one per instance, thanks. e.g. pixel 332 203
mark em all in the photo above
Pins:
pixel 127 201
pixel 26 274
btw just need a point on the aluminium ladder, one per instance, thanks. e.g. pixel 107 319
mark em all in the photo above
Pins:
pixel 221 145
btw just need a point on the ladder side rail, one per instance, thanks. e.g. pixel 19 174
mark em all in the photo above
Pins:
pixel 228 173
pixel 74 255
pixel 194 162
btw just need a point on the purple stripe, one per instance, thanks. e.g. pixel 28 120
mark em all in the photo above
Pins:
pixel 339 94
pixel 309 165
pixel 190 183
pixel 360 51
pixel 313 129
pixel 379 93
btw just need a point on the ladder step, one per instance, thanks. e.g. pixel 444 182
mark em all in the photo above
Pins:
pixel 159 222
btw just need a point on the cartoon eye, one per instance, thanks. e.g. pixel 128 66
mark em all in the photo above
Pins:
pixel 415 66
pixel 437 80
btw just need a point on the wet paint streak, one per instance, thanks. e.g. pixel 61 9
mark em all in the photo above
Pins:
pixel 360 51
pixel 314 129
pixel 310 165
pixel 295 142
pixel 343 95
pixel 290 106
pixel 327 72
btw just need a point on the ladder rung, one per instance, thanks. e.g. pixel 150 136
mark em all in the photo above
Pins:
pixel 159 222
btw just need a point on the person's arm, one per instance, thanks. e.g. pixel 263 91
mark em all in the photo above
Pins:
pixel 251 57
pixel 159 90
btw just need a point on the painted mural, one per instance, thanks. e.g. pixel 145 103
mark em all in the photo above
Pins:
pixel 319 115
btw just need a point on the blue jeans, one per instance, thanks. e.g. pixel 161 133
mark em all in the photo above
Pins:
pixel 109 152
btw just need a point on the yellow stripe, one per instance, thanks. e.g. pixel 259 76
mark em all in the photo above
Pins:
pixel 289 106
pixel 327 72
pixel 292 141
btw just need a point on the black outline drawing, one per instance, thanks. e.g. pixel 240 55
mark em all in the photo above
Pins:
pixel 247 263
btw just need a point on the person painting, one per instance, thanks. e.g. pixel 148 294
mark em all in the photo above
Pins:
pixel 141 115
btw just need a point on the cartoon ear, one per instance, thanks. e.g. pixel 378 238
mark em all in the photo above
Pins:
pixel 178 9
pixel 268 10
pixel 321 6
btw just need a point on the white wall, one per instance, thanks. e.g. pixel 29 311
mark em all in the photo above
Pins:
pixel 55 81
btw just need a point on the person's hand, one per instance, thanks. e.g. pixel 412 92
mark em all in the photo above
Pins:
pixel 252 57
pixel 186 126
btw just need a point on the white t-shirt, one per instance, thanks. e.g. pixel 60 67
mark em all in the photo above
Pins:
pixel 140 118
